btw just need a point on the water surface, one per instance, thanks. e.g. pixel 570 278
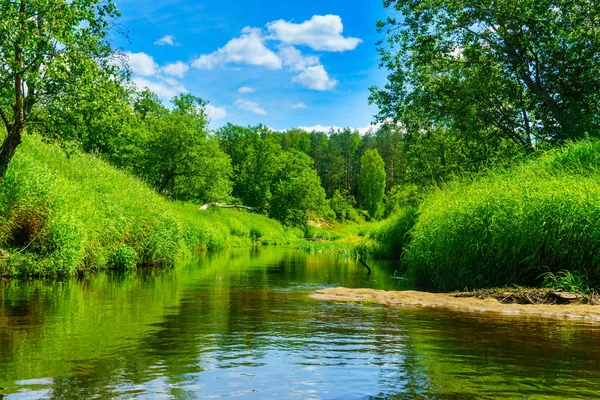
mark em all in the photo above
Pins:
pixel 239 324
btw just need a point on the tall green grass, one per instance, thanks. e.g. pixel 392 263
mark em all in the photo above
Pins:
pixel 66 214
pixel 513 225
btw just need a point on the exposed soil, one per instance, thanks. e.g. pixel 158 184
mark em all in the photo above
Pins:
pixel 535 302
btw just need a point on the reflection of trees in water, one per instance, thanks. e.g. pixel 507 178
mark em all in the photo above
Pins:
pixel 235 309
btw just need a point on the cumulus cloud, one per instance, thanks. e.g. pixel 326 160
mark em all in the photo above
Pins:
pixel 247 49
pixel 294 60
pixel 315 78
pixel 273 48
pixel 299 106
pixel 177 69
pixel 141 64
pixel 246 90
pixel 147 74
pixel 213 112
pixel 167 40
pixel 162 89
pixel 321 32
pixel 250 106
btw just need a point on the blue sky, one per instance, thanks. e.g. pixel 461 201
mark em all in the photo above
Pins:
pixel 283 63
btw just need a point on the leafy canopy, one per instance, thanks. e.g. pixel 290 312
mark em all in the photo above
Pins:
pixel 522 71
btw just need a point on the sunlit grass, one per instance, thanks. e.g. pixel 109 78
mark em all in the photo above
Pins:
pixel 510 226
pixel 63 214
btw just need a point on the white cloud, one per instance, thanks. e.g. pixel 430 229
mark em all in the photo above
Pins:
pixel 165 89
pixel 246 89
pixel 321 32
pixel 213 112
pixel 247 49
pixel 141 64
pixel 167 40
pixel 296 61
pixel 300 105
pixel 250 106
pixel 315 78
pixel 177 69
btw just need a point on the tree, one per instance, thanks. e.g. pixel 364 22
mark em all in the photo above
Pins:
pixel 371 182
pixel 178 157
pixel 297 190
pixel 342 204
pixel 255 156
pixel 95 119
pixel 44 47
pixel 493 72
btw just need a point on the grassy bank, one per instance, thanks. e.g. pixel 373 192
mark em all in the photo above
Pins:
pixel 65 214
pixel 518 225
pixel 510 226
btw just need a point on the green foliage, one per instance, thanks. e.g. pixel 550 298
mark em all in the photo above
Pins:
pixel 175 153
pixel 399 198
pixel 566 281
pixel 255 156
pixel 342 204
pixel 124 258
pixel 510 226
pixel 393 237
pixel 489 75
pixel 371 182
pixel 60 215
pixel 50 50
pixel 296 190
pixel 280 183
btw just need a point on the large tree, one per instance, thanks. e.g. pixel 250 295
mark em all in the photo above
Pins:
pixel 49 48
pixel 522 71
pixel 176 154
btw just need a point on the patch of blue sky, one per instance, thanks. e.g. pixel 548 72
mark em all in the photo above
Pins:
pixel 282 63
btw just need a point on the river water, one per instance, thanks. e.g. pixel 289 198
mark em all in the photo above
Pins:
pixel 240 324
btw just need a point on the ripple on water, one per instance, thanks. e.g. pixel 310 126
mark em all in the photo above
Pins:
pixel 240 324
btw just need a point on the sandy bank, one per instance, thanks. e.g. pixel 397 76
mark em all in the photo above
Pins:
pixel 451 301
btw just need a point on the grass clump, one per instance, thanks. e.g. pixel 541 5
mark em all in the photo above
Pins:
pixel 511 226
pixel 566 281
pixel 63 214
pixel 393 236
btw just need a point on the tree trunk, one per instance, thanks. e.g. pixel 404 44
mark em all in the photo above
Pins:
pixel 15 130
pixel 9 146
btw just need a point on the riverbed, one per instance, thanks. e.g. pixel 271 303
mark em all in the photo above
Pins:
pixel 241 324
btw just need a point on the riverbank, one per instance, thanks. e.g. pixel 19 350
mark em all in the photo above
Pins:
pixel 65 213
pixel 515 224
pixel 459 302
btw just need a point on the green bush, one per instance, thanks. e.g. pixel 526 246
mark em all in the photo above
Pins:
pixel 399 198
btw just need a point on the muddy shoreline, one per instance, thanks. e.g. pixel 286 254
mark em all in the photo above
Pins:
pixel 411 298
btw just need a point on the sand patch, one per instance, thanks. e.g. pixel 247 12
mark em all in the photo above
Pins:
pixel 411 298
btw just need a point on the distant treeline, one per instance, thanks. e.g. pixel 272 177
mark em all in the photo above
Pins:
pixel 292 175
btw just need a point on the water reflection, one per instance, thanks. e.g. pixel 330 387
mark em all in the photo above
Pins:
pixel 240 324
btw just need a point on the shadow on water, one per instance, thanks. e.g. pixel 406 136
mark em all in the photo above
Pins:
pixel 240 323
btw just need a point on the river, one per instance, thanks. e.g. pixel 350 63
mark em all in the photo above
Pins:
pixel 240 324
